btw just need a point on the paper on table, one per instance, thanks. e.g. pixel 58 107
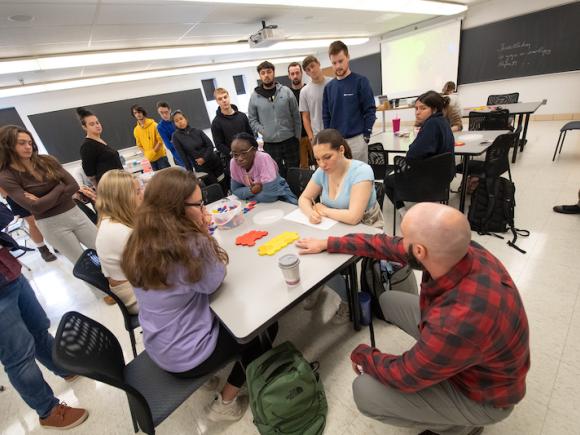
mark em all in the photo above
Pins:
pixel 298 216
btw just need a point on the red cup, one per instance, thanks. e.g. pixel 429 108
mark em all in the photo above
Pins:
pixel 396 124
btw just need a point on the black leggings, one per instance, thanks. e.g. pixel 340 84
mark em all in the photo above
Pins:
pixel 389 186
pixel 228 349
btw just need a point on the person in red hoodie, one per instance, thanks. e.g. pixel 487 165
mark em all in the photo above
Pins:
pixel 468 366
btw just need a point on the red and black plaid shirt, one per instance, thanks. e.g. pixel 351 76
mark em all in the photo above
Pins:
pixel 474 330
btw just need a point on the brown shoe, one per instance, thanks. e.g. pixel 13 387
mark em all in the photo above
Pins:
pixel 71 378
pixel 46 254
pixel 64 417
pixel 109 300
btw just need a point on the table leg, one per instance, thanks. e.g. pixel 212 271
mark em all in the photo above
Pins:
pixel 515 152
pixel 463 188
pixel 384 121
pixel 353 296
pixel 525 132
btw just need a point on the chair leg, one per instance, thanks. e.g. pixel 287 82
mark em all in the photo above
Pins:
pixel 133 343
pixel 557 145
pixel 562 143
pixel 510 172
pixel 394 215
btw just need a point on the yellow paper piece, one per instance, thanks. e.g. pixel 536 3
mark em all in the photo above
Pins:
pixel 280 241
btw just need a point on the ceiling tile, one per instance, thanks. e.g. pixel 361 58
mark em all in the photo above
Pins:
pixel 160 13
pixel 49 14
pixel 129 32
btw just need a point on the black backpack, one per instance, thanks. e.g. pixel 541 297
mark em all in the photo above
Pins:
pixel 379 276
pixel 492 209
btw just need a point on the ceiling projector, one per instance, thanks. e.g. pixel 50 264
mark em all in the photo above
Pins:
pixel 266 36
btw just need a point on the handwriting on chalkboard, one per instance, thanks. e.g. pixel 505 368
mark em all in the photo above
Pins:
pixel 518 53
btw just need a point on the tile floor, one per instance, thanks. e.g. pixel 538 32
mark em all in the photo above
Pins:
pixel 548 277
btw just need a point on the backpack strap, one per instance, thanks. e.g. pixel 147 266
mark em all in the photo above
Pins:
pixel 509 215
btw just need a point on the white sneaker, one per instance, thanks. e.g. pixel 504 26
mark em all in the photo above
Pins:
pixel 311 300
pixel 212 384
pixel 342 314
pixel 217 410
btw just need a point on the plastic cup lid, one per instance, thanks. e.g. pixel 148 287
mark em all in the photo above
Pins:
pixel 288 260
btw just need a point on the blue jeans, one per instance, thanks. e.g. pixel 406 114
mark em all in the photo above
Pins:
pixel 24 338
pixel 160 163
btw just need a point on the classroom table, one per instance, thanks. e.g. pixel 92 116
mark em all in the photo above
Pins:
pixel 476 143
pixel 522 110
pixel 254 294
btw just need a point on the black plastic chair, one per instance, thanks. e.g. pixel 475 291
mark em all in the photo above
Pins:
pixel 572 125
pixel 494 120
pixel 212 193
pixel 378 161
pixel 496 160
pixel 88 269
pixel 376 146
pixel 84 347
pixel 422 180
pixel 494 100
pixel 297 179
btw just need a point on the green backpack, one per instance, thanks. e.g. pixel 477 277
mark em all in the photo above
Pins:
pixel 286 393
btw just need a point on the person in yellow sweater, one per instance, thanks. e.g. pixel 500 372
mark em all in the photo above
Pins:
pixel 148 139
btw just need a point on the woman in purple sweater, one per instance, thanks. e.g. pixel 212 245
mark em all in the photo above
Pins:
pixel 174 266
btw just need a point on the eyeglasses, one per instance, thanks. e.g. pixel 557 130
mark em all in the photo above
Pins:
pixel 241 153
pixel 199 204
pixel 25 142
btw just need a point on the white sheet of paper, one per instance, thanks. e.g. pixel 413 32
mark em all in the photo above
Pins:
pixel 298 216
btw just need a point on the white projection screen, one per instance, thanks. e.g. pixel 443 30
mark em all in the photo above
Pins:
pixel 416 62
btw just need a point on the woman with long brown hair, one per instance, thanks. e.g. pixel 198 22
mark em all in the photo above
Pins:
pixel 174 266
pixel 346 190
pixel 118 196
pixel 40 184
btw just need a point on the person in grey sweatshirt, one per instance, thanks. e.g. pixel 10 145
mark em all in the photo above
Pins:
pixel 273 113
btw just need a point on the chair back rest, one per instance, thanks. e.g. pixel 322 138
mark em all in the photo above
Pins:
pixel 377 146
pixel 88 269
pixel 497 155
pixel 85 347
pixel 297 179
pixel 378 163
pixel 424 180
pixel 494 120
pixel 493 100
pixel 212 193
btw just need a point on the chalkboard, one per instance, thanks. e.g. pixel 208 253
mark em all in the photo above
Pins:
pixel 370 67
pixel 542 42
pixel 62 135
pixel 10 116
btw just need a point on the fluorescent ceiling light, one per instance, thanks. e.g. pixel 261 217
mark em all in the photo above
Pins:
pixel 145 75
pixel 124 56
pixel 401 6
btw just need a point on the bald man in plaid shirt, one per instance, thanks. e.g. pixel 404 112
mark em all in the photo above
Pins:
pixel 469 364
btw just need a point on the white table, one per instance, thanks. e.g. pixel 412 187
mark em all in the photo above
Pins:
pixel 254 294
pixel 476 143
pixel 523 110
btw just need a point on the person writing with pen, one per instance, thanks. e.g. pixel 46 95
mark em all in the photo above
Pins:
pixel 254 174
pixel 346 191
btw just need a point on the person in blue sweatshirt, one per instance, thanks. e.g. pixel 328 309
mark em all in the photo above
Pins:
pixel 166 129
pixel 348 104
pixel 435 136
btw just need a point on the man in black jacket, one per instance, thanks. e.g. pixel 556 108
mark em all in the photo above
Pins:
pixel 227 123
